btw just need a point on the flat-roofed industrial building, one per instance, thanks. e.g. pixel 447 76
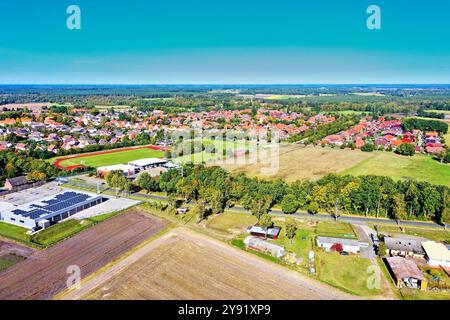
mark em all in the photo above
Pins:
pixel 50 210
pixel 144 164
pixel 436 254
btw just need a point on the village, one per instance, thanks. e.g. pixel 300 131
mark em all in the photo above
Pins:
pixel 45 133
pixel 386 135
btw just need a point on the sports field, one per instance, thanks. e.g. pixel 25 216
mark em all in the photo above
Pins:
pixel 107 158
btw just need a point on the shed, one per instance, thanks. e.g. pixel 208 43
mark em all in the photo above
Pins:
pixel 257 231
pixel 261 245
pixel 406 273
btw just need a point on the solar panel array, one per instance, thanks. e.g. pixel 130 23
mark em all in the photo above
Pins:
pixel 59 202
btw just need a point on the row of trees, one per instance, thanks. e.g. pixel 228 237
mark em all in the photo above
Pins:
pixel 425 125
pixel 343 122
pixel 365 195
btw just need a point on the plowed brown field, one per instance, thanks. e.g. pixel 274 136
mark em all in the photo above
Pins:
pixel 185 265
pixel 44 274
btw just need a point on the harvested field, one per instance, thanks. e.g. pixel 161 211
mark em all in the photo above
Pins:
pixel 294 162
pixel 186 265
pixel 44 273
pixel 33 106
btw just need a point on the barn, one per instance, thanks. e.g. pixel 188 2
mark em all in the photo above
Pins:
pixel 406 273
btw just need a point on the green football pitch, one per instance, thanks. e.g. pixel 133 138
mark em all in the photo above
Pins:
pixel 108 159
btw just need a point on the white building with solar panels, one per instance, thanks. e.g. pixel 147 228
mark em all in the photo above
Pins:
pixel 50 210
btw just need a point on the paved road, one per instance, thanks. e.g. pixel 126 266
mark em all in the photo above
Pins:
pixel 319 216
pixel 325 217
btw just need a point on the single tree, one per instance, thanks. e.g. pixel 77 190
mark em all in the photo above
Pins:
pixel 291 229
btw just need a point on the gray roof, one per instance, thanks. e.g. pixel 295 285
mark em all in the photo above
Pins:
pixel 343 241
pixel 404 244
pixel 17 181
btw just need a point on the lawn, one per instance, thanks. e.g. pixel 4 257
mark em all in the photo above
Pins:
pixel 419 167
pixel 348 273
pixel 231 223
pixel 107 159
pixel 14 232
pixel 334 229
pixel 60 231
pixel 432 234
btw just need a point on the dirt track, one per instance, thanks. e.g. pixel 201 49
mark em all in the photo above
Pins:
pixel 44 274
pixel 186 265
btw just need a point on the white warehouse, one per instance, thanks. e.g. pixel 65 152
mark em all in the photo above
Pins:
pixel 49 210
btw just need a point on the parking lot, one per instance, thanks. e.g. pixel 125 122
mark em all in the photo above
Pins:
pixel 33 194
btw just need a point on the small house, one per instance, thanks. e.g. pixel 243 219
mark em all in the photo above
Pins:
pixel 349 245
pixel 17 182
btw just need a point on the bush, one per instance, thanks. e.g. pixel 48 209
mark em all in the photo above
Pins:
pixel 406 149
pixel 368 147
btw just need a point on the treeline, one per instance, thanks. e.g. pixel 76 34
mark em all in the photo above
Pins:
pixel 424 125
pixel 364 195
pixel 313 135
pixel 14 164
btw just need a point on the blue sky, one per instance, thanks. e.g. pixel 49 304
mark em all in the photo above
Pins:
pixel 209 41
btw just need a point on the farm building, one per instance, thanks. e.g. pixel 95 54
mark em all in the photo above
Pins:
pixel 436 254
pixel 271 233
pixel 16 182
pixel 349 245
pixel 125 168
pixel 42 213
pixel 406 273
pixel 261 245
pixel 403 247
pixel 143 164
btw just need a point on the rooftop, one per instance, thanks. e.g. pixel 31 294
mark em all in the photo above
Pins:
pixel 147 162
pixel 50 205
pixel 436 251
pixel 404 268
pixel 401 244
pixel 332 240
